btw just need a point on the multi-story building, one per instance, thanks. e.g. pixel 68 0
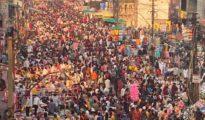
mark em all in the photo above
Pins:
pixel 3 23
pixel 190 6
pixel 3 14
pixel 161 12
pixel 138 12
pixel 6 11
pixel 201 9
pixel 197 6
pixel 128 10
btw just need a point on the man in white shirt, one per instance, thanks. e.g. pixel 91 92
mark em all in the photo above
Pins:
pixel 203 78
pixel 185 73
pixel 26 63
pixel 107 86
pixel 30 49
pixel 56 100
pixel 28 105
pixel 162 66
pixel 122 92
pixel 107 83
pixel 36 103
pixel 176 71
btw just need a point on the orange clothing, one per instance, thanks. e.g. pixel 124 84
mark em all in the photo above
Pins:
pixel 121 48
pixel 94 75
pixel 88 70
pixel 136 115
pixel 138 42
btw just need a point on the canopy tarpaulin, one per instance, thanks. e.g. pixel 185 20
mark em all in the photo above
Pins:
pixel 110 20
pixel 113 20
pixel 117 28
pixel 104 14
pixel 87 11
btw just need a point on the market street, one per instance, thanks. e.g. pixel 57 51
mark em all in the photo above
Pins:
pixel 75 64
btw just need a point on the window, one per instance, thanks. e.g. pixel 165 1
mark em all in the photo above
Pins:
pixel 183 5
pixel 11 9
pixel 130 7
pixel 125 8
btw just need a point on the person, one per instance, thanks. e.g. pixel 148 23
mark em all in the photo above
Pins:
pixel 174 90
pixel 83 116
pixel 107 85
pixel 198 115
pixel 126 106
pixel 51 107
pixel 144 115
pixel 99 117
pixel 28 106
pixel 203 77
pixel 172 116
pixel 36 103
pixel 56 117
pixel 65 37
pixel 136 114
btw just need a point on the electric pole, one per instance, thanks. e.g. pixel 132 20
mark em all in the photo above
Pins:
pixel 116 10
pixel 136 12
pixel 193 84
pixel 10 77
pixel 153 13
pixel 10 52
pixel 194 40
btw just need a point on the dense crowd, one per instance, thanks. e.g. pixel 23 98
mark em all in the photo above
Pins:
pixel 85 73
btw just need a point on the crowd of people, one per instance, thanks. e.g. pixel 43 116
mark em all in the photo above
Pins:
pixel 73 68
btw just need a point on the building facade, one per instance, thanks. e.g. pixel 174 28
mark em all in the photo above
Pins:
pixel 128 11
pixel 3 24
pixel 138 12
pixel 5 11
pixel 145 11
pixel 201 9
pixel 3 14
pixel 190 6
